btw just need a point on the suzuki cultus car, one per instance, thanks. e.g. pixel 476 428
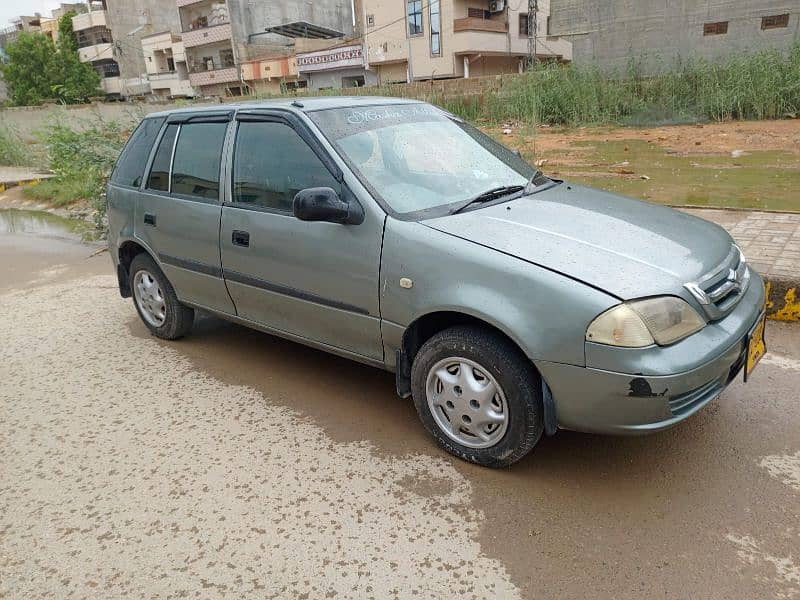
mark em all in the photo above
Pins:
pixel 391 232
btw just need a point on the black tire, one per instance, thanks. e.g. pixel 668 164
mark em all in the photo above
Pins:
pixel 178 317
pixel 514 373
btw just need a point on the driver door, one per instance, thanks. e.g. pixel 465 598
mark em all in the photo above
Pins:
pixel 314 280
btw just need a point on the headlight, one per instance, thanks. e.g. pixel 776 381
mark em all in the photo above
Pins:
pixel 639 323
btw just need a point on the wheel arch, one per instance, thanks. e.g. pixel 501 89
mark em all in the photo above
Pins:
pixel 426 326
pixel 127 251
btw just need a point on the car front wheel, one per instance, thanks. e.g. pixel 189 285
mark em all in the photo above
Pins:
pixel 478 395
pixel 156 301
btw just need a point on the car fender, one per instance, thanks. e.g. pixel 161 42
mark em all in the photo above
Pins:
pixel 425 271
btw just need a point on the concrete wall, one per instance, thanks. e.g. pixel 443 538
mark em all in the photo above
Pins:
pixel 130 21
pixel 610 32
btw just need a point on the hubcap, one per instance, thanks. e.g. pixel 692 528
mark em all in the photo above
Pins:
pixel 466 402
pixel 149 298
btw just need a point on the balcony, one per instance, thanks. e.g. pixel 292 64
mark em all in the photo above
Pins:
pixel 225 75
pixel 111 85
pixel 173 82
pixel 207 35
pixel 83 21
pixel 478 24
pixel 96 52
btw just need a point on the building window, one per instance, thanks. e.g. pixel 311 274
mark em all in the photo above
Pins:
pixel 436 29
pixel 414 13
pixel 720 28
pixel 476 13
pixel 370 20
pixel 226 58
pixel 523 25
pixel 170 64
pixel 775 21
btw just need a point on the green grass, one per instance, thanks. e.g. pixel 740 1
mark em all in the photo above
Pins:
pixel 759 85
pixel 13 152
pixel 66 189
pixel 761 179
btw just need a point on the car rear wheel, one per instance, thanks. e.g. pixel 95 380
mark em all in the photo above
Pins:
pixel 478 395
pixel 156 302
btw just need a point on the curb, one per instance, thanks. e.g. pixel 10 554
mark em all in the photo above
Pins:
pixel 783 299
pixel 4 185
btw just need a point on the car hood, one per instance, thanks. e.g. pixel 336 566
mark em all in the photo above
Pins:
pixel 622 246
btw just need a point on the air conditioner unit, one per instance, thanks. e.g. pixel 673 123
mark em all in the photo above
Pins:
pixel 497 6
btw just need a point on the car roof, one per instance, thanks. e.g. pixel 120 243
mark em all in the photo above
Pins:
pixel 301 103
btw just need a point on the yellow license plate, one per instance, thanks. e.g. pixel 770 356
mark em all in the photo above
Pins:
pixel 756 347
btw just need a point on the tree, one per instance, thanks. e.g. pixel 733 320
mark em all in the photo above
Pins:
pixel 67 40
pixel 71 80
pixel 29 68
pixel 37 70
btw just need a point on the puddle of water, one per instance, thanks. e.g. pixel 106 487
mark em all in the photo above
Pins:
pixel 42 223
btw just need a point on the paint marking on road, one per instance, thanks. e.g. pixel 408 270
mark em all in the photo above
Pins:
pixel 787 571
pixel 783 362
pixel 784 467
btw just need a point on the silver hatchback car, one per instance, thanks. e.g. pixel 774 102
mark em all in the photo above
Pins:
pixel 389 231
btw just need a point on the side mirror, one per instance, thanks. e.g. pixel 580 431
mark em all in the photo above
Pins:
pixel 323 204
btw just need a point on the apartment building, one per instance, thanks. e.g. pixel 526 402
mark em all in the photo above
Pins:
pixel 166 68
pixel 611 32
pixel 95 46
pixel 408 40
pixel 229 41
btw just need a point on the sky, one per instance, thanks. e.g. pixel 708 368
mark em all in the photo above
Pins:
pixel 10 9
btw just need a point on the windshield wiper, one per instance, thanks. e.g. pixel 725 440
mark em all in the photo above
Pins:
pixel 487 196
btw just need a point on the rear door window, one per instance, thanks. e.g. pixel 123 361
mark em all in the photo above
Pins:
pixel 130 165
pixel 159 172
pixel 196 165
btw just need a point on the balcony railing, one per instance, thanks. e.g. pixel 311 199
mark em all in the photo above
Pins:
pixel 207 35
pixel 477 24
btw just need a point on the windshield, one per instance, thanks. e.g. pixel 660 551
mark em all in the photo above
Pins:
pixel 415 157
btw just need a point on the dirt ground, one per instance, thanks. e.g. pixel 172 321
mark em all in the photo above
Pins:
pixel 236 464
pixel 751 164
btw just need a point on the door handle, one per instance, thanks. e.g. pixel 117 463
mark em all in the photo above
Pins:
pixel 240 238
pixel 149 219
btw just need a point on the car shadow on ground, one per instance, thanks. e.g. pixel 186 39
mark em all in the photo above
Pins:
pixel 353 402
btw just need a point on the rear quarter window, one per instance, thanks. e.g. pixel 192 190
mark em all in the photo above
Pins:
pixel 130 165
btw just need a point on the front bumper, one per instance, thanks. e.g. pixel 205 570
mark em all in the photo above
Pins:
pixel 640 399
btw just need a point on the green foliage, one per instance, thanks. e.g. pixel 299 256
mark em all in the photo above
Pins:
pixel 82 159
pixel 37 70
pixel 28 70
pixel 67 40
pixel 761 85
pixel 12 149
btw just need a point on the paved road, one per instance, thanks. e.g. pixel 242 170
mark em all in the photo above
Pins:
pixel 236 464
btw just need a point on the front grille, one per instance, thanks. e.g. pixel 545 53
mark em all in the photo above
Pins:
pixel 685 403
pixel 721 290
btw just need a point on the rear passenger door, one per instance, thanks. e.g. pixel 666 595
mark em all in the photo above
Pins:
pixel 178 212
pixel 315 280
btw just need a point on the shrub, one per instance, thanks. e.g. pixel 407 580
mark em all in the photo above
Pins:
pixel 82 159
pixel 12 149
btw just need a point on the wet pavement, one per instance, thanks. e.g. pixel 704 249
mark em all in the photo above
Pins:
pixel 233 463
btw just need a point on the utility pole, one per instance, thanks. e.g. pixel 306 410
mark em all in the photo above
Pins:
pixel 533 8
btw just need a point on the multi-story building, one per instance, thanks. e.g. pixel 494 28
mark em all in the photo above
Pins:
pixel 610 33
pixel 95 46
pixel 131 22
pixel 222 38
pixel 409 40
pixel 165 62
